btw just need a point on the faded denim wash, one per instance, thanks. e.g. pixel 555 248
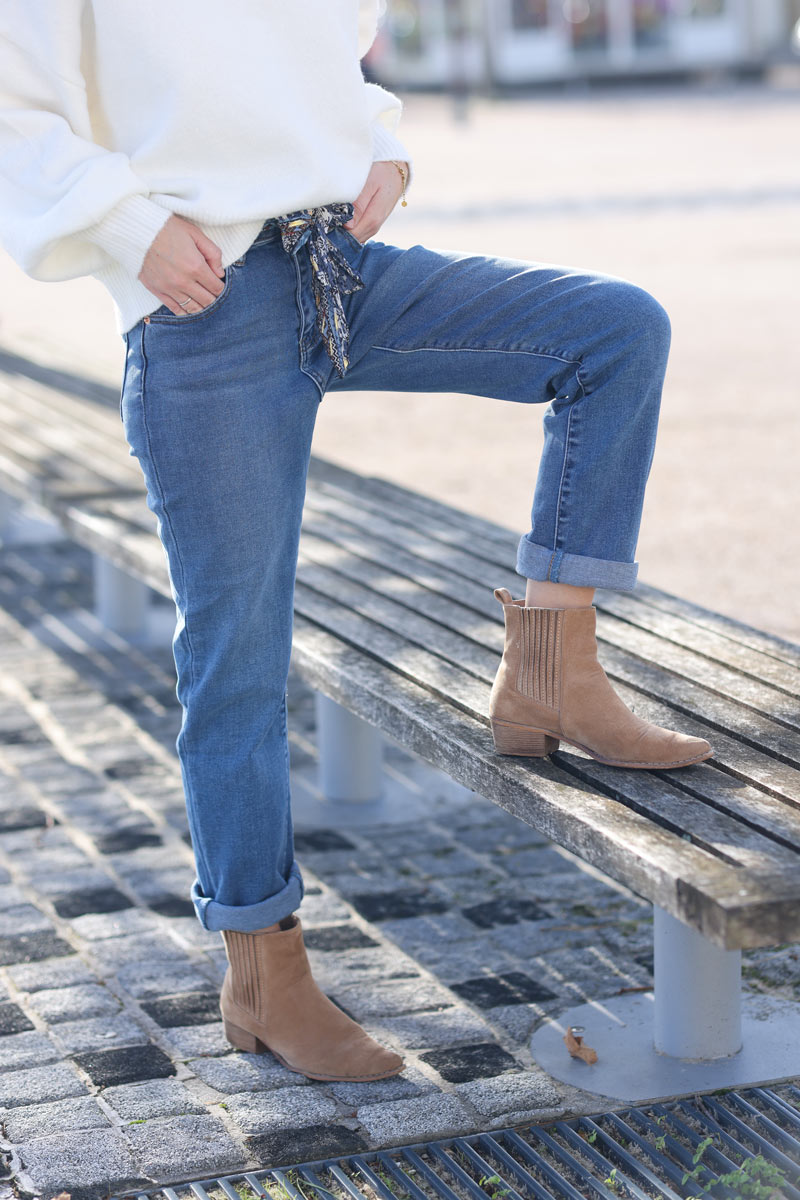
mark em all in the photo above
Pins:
pixel 219 408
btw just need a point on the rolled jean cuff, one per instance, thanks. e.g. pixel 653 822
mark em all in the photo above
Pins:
pixel 246 918
pixel 556 566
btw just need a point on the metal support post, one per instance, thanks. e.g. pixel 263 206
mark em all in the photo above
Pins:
pixel 698 993
pixel 695 1033
pixel 350 753
pixel 120 601
pixel 7 506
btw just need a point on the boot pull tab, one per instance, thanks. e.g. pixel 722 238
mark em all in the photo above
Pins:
pixel 503 595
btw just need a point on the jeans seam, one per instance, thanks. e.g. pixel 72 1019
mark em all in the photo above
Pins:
pixel 577 362
pixel 168 520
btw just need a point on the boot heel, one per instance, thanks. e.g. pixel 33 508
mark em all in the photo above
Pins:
pixel 518 739
pixel 242 1040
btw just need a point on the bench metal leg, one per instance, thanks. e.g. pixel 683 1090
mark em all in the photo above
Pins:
pixel 7 507
pixel 698 993
pixel 696 1032
pixel 121 602
pixel 350 754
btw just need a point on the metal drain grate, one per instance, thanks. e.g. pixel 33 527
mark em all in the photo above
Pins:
pixel 728 1144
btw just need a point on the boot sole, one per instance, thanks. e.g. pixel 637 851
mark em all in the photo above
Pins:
pixel 244 1040
pixel 523 742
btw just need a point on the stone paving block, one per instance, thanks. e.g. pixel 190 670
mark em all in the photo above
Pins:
pixel 37 1085
pixel 144 979
pixel 48 860
pixel 399 902
pixel 337 938
pixel 169 904
pixel 504 910
pixel 450 860
pixel 255 1112
pixel 287 1146
pixel 511 1093
pixel 90 900
pixel 99 1033
pixel 518 1020
pixel 450 963
pixel 39 1120
pixel 586 974
pixel 244 1073
pixel 85 1164
pixel 128 1064
pixel 445 1028
pixel 55 1005
pixel 84 879
pixel 190 932
pixel 458 1064
pixel 122 841
pixel 192 1008
pixel 13 1020
pixel 322 841
pixel 393 998
pixel 115 953
pixel 156 1098
pixel 11 896
pixel 189 1041
pixel 400 1087
pixel 513 987
pixel 32 947
pixel 52 973
pixel 325 908
pixel 184 1147
pixel 25 918
pixel 21 1050
pixel 398 1122
pixel 361 967
pixel 96 926
pixel 438 932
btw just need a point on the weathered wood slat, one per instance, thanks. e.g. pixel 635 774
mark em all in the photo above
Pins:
pixel 775 776
pixel 711 645
pixel 737 631
pixel 654 862
pixel 717 828
pixel 723 645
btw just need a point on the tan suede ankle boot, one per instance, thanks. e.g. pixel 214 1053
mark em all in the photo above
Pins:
pixel 550 687
pixel 270 1002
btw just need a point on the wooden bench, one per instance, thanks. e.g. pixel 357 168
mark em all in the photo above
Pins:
pixel 396 623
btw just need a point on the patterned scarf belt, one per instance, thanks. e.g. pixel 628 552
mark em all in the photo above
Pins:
pixel 331 274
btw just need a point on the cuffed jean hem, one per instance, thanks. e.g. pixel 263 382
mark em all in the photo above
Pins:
pixel 246 918
pixel 556 566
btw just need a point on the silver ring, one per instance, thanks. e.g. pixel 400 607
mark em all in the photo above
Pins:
pixel 183 303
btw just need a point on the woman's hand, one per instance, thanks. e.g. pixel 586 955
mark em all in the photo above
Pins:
pixel 183 267
pixel 376 200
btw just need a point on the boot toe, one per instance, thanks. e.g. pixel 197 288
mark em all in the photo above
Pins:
pixel 373 1061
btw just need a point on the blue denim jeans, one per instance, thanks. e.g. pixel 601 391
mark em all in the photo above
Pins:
pixel 219 408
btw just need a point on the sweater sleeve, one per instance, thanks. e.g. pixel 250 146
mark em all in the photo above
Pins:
pixel 66 203
pixel 384 108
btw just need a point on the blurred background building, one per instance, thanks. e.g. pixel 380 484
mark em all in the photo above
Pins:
pixel 473 43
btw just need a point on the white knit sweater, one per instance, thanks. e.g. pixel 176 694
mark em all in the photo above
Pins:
pixel 116 113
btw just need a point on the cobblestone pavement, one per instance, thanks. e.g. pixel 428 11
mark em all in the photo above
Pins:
pixel 449 937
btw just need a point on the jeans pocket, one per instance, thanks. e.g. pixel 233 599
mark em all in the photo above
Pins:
pixel 163 316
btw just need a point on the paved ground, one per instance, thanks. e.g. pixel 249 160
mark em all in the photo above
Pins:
pixel 693 193
pixel 450 936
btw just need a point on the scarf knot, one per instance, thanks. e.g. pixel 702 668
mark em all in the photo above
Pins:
pixel 331 274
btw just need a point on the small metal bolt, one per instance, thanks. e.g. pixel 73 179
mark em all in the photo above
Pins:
pixel 577 1030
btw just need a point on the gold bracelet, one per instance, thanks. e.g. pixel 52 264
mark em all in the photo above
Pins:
pixel 403 169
